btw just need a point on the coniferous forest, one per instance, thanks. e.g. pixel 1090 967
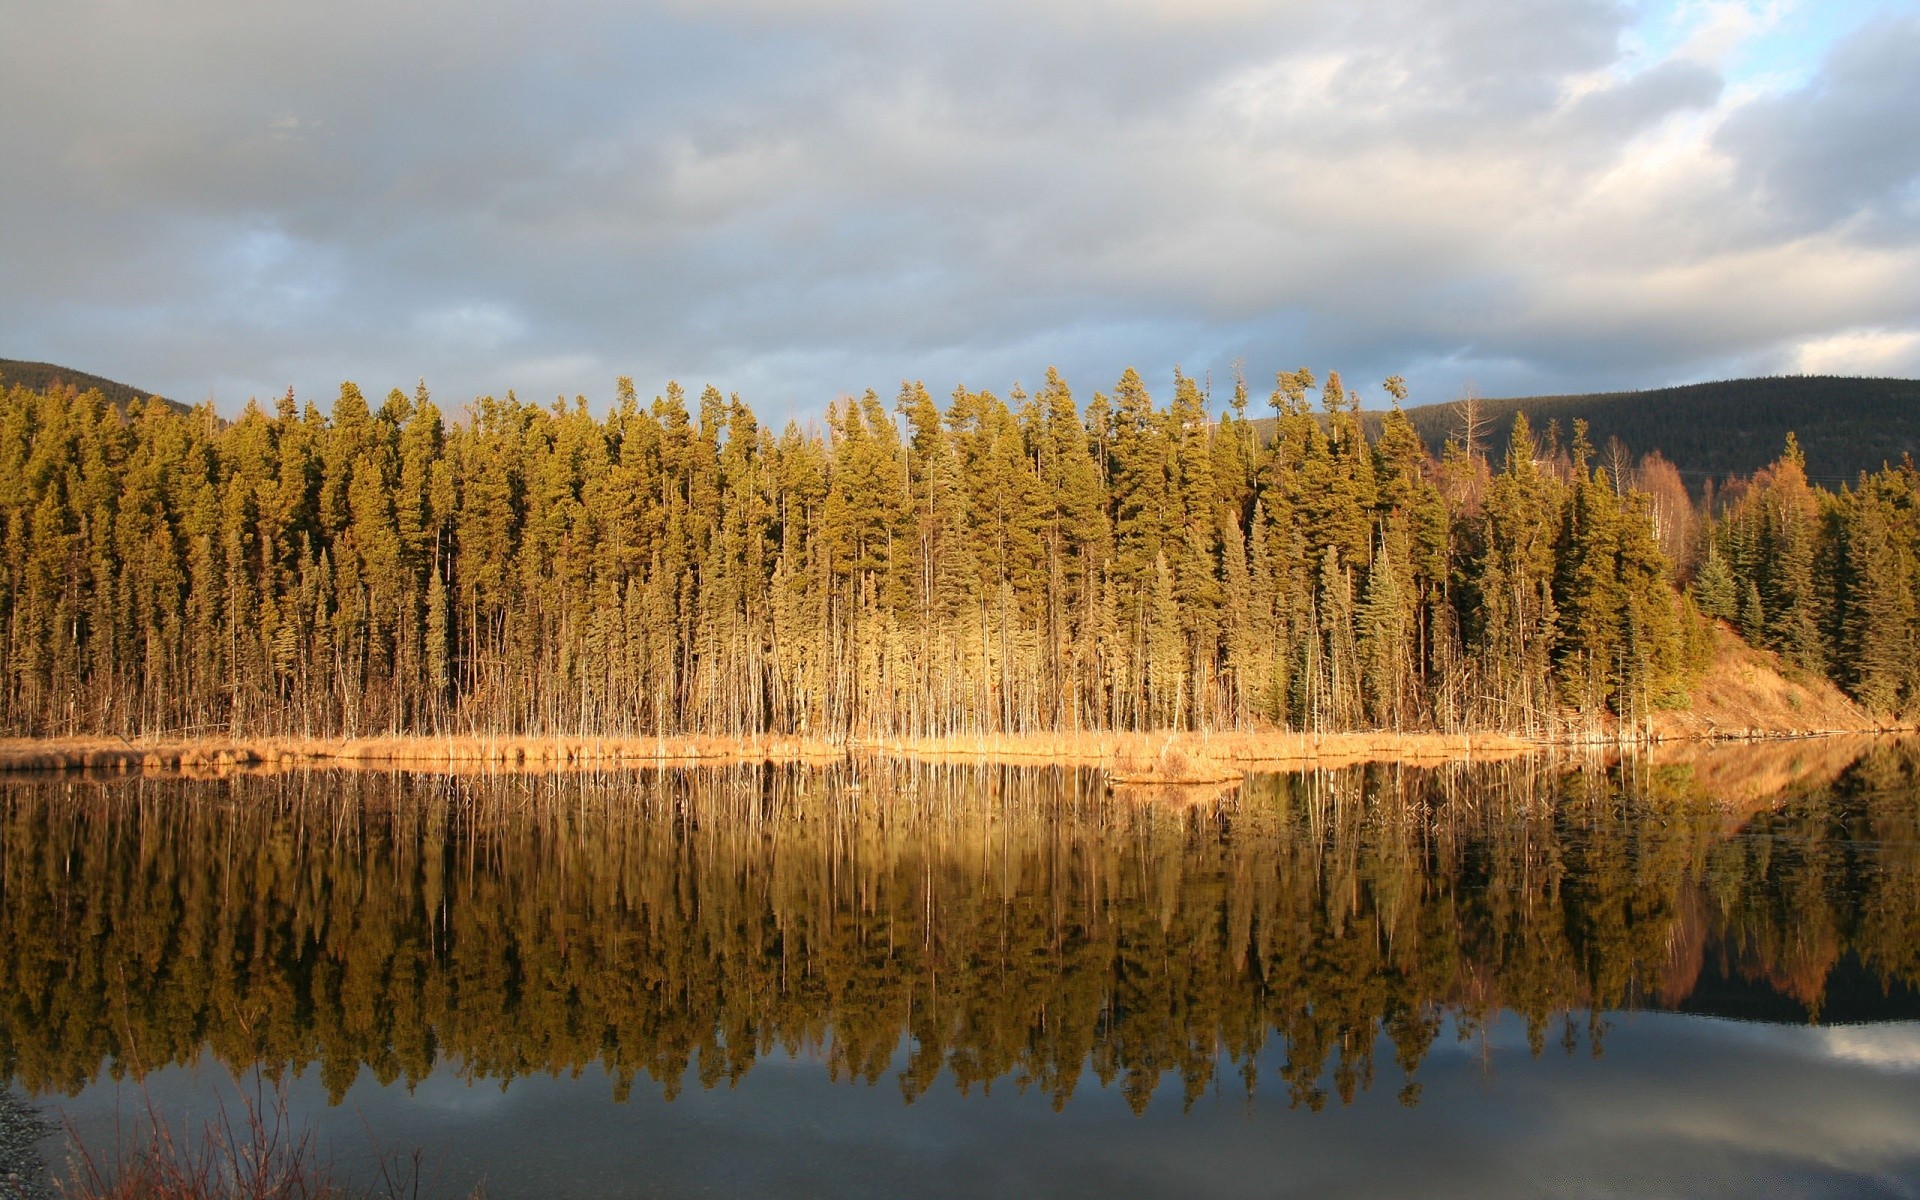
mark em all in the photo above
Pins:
pixel 997 564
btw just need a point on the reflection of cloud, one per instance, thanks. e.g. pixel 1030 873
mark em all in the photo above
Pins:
pixel 447 1092
pixel 797 200
pixel 1890 1047
pixel 1677 1105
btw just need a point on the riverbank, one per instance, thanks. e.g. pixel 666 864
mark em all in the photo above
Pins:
pixel 23 1128
pixel 1187 757
pixel 1745 694
pixel 1176 755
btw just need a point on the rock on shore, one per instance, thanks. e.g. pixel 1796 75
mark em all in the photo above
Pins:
pixel 23 1173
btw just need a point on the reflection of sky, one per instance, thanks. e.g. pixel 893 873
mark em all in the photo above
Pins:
pixel 1675 1105
pixel 1889 1047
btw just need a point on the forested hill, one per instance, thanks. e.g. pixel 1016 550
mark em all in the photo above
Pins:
pixel 1729 427
pixel 41 377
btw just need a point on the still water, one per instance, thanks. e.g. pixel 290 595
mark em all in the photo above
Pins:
pixel 1526 978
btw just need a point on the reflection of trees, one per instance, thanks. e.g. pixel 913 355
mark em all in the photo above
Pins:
pixel 1015 926
pixel 1817 875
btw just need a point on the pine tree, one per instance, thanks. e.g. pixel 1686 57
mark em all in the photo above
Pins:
pixel 1789 534
pixel 1880 638
pixel 1507 582
pixel 1587 591
pixel 1714 587
pixel 1753 614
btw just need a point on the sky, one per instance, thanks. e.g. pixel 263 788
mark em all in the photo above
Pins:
pixel 804 199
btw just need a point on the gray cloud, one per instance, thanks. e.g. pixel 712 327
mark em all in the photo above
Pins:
pixel 799 200
pixel 1847 146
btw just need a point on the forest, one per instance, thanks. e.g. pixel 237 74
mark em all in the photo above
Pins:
pixel 1726 427
pixel 997 564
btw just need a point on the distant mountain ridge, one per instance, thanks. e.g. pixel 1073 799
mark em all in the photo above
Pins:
pixel 40 377
pixel 1729 427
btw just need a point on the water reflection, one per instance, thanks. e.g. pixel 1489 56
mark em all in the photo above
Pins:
pixel 1320 934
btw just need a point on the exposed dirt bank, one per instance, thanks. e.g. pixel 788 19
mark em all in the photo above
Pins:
pixel 1748 692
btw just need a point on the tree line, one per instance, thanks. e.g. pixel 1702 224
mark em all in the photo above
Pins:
pixel 1015 564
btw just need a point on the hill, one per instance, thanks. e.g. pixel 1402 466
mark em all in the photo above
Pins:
pixel 40 377
pixel 1733 426
pixel 1746 691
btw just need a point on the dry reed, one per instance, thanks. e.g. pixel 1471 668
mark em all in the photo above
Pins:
pixel 261 1154
pixel 1180 757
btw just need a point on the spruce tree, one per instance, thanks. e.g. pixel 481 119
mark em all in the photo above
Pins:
pixel 1714 588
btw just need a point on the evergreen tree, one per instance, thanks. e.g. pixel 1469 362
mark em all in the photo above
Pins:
pixel 1880 634
pixel 1714 587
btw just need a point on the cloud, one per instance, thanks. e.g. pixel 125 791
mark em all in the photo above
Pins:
pixel 1845 148
pixel 1718 28
pixel 1869 352
pixel 802 200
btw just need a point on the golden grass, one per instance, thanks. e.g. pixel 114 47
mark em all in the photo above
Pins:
pixel 1176 758
pixel 1746 694
pixel 1749 693
pixel 449 755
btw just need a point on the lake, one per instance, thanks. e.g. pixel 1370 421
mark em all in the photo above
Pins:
pixel 1541 976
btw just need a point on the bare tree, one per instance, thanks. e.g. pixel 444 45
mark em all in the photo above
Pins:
pixel 1472 422
pixel 1674 516
pixel 1619 465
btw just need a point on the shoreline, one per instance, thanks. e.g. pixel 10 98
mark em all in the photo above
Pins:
pixel 1132 758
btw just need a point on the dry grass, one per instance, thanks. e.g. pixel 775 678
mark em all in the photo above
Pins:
pixel 260 1154
pixel 1748 692
pixel 1200 756
pixel 197 757
pixel 1745 694
pixel 1175 761
pixel 1167 756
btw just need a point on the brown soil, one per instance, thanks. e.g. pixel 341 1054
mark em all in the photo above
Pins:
pixel 1748 692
